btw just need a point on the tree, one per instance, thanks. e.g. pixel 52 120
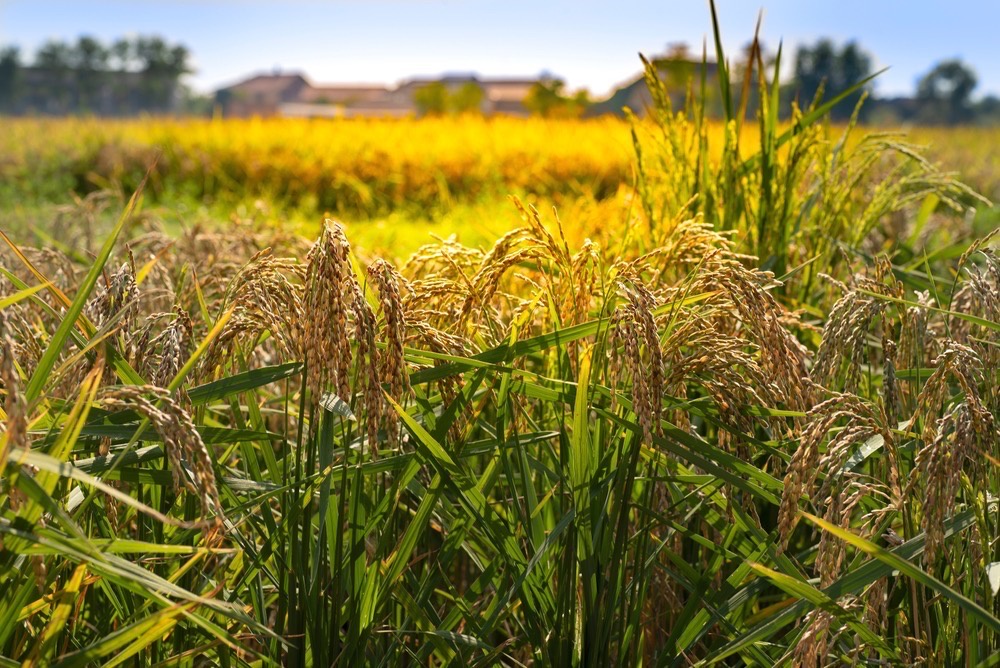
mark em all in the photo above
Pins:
pixel 56 58
pixel 678 51
pixel 467 99
pixel 987 111
pixel 89 55
pixel 825 68
pixel 547 98
pixel 432 99
pixel 129 76
pixel 436 99
pixel 195 104
pixel 945 93
pixel 855 65
pixel 544 96
pixel 10 71
pixel 54 55
pixel 122 54
pixel 162 66
pixel 90 60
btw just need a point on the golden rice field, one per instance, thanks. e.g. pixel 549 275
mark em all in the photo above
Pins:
pixel 400 177
pixel 708 394
pixel 355 166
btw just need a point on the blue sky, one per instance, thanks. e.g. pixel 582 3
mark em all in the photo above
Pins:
pixel 588 43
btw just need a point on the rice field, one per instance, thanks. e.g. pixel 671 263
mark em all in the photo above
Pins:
pixel 398 177
pixel 346 168
pixel 699 393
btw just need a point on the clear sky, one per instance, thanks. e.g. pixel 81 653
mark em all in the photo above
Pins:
pixel 588 43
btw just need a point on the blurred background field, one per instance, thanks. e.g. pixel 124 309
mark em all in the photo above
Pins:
pixel 393 182
pixel 399 177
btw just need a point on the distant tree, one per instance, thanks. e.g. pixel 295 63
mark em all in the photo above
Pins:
pixel 987 110
pixel 544 96
pixel 10 74
pixel 855 65
pixel 54 55
pixel 195 104
pixel 129 76
pixel 824 67
pixel 548 98
pixel 89 54
pixel 467 99
pixel 56 58
pixel 815 66
pixel 90 60
pixel 432 99
pixel 678 51
pixel 945 93
pixel 121 59
pixel 162 66
pixel 122 54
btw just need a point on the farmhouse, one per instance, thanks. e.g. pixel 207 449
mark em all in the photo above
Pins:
pixel 678 73
pixel 293 95
pixel 261 95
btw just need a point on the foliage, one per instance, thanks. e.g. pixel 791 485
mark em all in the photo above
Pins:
pixel 945 93
pixel 437 98
pixel 467 99
pixel 824 67
pixel 10 58
pixel 431 99
pixel 130 76
pixel 548 99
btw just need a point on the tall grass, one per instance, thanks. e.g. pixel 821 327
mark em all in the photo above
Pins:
pixel 748 423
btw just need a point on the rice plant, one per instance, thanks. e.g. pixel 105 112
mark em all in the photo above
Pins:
pixel 748 422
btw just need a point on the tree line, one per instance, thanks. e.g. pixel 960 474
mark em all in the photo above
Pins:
pixel 126 77
pixel 943 96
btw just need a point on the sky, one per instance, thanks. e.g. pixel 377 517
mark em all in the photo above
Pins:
pixel 587 43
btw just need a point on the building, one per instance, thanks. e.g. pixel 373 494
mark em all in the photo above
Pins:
pixel 293 95
pixel 261 95
pixel 679 76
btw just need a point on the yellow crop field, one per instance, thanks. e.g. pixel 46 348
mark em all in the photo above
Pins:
pixel 396 181
pixel 357 165
pixel 367 167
